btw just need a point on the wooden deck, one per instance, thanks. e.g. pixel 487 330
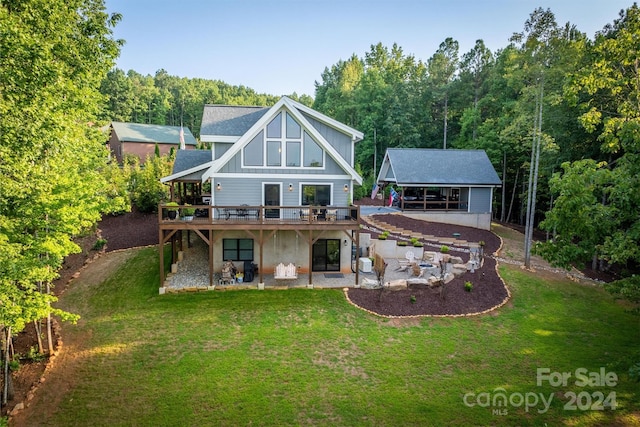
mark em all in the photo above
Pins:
pixel 259 222
pixel 258 217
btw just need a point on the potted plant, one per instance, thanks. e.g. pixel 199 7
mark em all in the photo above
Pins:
pixel 172 210
pixel 239 277
pixel 187 212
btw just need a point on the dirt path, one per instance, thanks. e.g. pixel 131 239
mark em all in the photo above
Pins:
pixel 61 372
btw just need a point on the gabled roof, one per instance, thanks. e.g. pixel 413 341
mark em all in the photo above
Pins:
pixel 228 121
pixel 417 166
pixel 295 109
pixel 189 165
pixel 162 134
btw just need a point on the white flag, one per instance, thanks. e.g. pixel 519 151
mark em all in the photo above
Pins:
pixel 182 147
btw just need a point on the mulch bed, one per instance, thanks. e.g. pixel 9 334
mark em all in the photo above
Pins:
pixel 492 242
pixel 129 230
pixel 453 300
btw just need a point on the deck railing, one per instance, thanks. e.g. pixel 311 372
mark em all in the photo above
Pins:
pixel 257 214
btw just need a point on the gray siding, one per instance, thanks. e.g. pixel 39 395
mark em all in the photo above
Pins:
pixel 480 200
pixel 338 140
pixel 219 148
pixel 238 191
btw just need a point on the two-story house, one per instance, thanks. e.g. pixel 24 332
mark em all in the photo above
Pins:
pixel 276 187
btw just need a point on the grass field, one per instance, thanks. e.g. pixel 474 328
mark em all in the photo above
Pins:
pixel 307 357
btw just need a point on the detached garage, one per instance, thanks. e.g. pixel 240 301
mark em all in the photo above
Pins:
pixel 450 186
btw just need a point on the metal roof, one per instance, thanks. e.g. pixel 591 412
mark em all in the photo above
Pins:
pixel 419 166
pixel 229 120
pixel 162 134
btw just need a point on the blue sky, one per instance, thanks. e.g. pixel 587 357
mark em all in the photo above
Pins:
pixel 282 46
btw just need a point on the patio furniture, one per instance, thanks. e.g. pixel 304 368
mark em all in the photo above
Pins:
pixel 304 215
pixel 228 276
pixel 285 272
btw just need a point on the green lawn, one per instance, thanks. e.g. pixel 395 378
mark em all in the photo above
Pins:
pixel 307 357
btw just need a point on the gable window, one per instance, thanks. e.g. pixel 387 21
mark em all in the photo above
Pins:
pixel 274 128
pixel 317 195
pixel 253 152
pixel 293 153
pixel 293 128
pixel 312 152
pixel 274 153
pixel 237 249
pixel 283 143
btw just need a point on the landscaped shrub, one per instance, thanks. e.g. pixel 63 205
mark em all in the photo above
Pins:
pixel 468 286
pixel 444 249
pixel 145 186
pixel 99 244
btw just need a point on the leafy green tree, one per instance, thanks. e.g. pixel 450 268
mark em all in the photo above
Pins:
pixel 609 95
pixel 146 189
pixel 53 57
pixel 579 220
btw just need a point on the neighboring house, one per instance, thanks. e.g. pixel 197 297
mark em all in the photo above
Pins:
pixel 276 187
pixel 452 186
pixel 140 139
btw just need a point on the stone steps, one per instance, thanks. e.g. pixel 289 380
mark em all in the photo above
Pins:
pixel 449 241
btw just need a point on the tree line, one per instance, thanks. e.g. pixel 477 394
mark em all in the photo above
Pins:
pixel 557 112
pixel 163 99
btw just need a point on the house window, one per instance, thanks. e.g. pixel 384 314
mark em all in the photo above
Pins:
pixel 237 249
pixel 293 128
pixel 317 195
pixel 293 153
pixel 274 128
pixel 312 152
pixel 283 143
pixel 253 152
pixel 274 156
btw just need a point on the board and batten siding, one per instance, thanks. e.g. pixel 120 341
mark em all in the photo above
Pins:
pixel 219 148
pixel 338 140
pixel 238 191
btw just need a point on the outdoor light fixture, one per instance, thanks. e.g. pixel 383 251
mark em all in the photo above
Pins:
pixel 218 187
pixel 346 188
pixel 345 242
pixel 290 187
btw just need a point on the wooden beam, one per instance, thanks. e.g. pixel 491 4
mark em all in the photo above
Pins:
pixel 161 254
pixel 357 260
pixel 261 241
pixel 210 243
pixel 311 242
